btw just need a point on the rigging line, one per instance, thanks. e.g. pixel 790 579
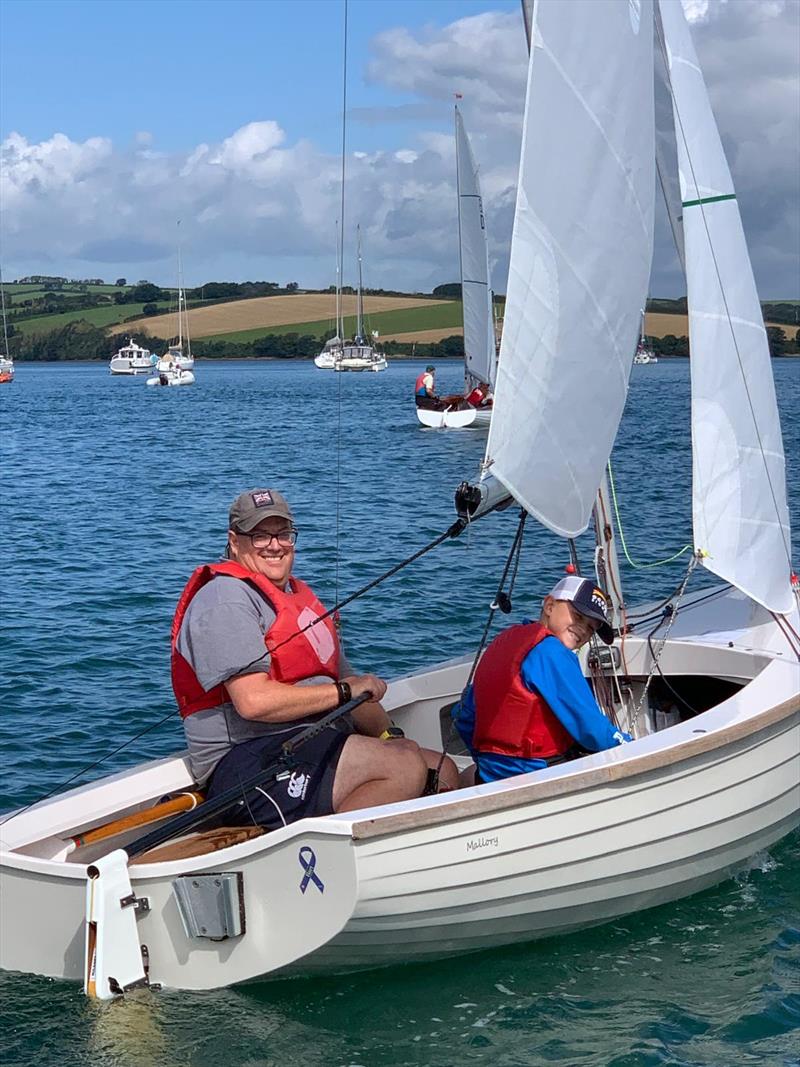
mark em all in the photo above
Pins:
pixel 605 555
pixel 788 632
pixel 644 617
pixel 669 616
pixel 339 280
pixel 452 531
pixel 633 563
pixel 700 205
pixel 664 678
pixel 91 766
pixel 513 556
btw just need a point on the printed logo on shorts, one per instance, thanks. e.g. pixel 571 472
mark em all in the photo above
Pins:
pixel 297 785
pixel 263 499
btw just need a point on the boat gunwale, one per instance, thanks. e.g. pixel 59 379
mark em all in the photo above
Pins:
pixel 607 774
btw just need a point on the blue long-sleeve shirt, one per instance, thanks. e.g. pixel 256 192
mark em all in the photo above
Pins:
pixel 554 672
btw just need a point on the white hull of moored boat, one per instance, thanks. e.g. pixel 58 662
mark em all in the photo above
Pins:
pixel 557 850
pixel 356 363
pixel 325 361
pixel 455 419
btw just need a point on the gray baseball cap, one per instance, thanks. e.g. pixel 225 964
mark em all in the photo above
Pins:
pixel 254 505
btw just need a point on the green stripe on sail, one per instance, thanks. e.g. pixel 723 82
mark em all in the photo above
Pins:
pixel 708 200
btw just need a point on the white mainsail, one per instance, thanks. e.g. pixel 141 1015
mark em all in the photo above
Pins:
pixel 580 255
pixel 740 514
pixel 476 292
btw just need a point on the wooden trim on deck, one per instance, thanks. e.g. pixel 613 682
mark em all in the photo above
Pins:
pixel 596 776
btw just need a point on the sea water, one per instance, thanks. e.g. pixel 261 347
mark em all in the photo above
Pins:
pixel 112 493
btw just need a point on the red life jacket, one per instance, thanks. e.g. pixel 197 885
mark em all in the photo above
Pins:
pixel 421 386
pixel 315 652
pixel 509 718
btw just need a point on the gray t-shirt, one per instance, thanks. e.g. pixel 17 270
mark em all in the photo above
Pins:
pixel 222 636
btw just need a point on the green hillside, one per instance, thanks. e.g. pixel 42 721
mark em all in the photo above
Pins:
pixel 407 320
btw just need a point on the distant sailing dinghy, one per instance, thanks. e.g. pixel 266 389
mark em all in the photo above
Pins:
pixel 585 841
pixel 480 354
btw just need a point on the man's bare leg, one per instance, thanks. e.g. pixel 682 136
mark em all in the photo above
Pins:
pixel 372 772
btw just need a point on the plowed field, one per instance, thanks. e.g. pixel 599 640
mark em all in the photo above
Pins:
pixel 266 311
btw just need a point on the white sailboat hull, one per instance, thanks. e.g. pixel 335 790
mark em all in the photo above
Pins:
pixel 477 418
pixel 325 361
pixel 545 853
pixel 178 363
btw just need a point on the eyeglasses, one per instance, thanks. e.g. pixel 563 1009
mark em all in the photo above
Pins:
pixel 261 539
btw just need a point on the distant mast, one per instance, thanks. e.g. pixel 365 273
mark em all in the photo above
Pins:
pixel 360 307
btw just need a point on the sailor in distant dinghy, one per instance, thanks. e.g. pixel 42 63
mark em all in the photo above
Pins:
pixel 530 705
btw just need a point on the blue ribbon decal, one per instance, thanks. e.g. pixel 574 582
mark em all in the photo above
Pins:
pixel 308 862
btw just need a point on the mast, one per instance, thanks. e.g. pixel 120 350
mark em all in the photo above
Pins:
pixel 6 352
pixel 460 252
pixel 180 284
pixel 339 316
pixel 360 307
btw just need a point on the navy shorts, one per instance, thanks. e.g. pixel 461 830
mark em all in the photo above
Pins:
pixel 296 791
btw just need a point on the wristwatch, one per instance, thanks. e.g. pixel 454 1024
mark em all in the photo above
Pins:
pixel 391 733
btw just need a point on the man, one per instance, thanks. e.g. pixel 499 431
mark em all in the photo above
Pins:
pixel 426 386
pixel 530 705
pixel 247 680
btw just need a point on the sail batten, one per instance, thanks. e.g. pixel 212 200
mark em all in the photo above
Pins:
pixel 580 256
pixel 739 507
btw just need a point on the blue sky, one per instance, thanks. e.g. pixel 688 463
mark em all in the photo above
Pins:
pixel 119 118
pixel 195 71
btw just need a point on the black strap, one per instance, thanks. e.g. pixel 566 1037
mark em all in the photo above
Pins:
pixel 190 819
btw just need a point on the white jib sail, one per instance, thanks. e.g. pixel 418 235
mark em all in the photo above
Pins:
pixel 476 291
pixel 580 255
pixel 740 514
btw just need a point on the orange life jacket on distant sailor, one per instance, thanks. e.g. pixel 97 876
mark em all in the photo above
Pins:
pixel 509 718
pixel 315 652
pixel 421 387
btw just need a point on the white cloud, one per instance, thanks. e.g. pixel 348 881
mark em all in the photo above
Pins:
pixel 256 205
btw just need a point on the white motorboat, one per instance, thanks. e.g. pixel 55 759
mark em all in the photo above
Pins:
pixel 681 807
pixel 172 377
pixel 132 359
pixel 480 351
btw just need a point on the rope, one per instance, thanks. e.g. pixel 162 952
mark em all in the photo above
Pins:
pixel 633 563
pixel 670 615
pixel 502 602
pixel 340 253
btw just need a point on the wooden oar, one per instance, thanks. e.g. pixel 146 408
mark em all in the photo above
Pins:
pixel 181 802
